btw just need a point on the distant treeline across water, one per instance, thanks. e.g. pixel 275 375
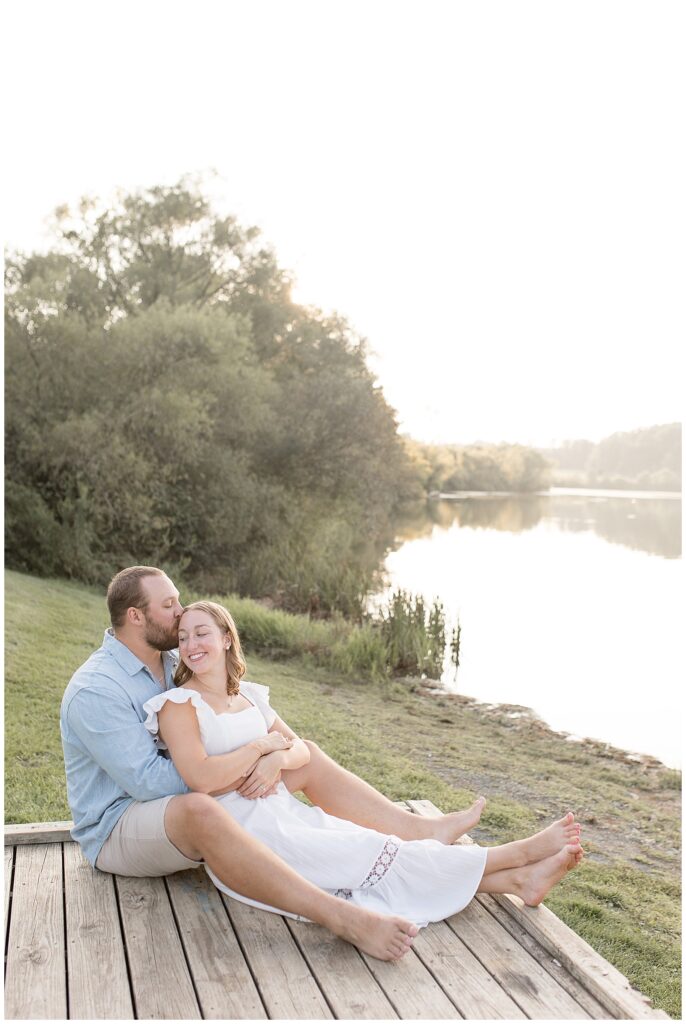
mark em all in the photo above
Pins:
pixel 648 459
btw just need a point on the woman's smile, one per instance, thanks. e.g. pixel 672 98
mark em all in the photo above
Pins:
pixel 202 645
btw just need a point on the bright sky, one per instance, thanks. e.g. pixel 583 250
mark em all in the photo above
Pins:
pixel 492 192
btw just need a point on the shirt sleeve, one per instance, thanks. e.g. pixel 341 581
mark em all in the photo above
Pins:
pixel 117 740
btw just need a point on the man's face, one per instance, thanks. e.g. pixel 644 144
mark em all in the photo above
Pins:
pixel 162 613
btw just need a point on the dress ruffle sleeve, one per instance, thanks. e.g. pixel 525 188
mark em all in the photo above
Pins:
pixel 177 696
pixel 259 695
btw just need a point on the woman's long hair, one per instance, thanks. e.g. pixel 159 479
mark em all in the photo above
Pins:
pixel 235 663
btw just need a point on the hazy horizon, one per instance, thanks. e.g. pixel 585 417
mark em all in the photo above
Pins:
pixel 502 228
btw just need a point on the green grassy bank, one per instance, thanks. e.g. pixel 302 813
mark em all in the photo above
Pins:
pixel 625 898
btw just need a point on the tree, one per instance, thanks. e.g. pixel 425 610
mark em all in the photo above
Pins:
pixel 168 402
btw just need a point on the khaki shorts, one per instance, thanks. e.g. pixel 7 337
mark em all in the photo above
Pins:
pixel 138 844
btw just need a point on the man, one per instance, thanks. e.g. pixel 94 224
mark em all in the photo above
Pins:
pixel 134 815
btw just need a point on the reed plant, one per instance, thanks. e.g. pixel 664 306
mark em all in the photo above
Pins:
pixel 407 638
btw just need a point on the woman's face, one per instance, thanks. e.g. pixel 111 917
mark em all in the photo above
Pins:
pixel 202 645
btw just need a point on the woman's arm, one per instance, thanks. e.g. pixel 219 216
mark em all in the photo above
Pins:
pixel 295 756
pixel 202 772
pixel 267 771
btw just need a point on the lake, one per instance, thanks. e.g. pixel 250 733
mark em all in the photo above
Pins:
pixel 571 603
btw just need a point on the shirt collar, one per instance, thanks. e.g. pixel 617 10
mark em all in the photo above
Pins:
pixel 130 662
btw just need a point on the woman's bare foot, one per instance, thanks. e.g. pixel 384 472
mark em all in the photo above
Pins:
pixel 386 938
pixel 450 827
pixel 538 879
pixel 564 832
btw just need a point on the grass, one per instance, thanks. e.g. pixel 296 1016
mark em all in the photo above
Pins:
pixel 625 898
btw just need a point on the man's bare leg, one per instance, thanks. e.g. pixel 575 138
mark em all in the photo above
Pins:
pixel 202 829
pixel 339 792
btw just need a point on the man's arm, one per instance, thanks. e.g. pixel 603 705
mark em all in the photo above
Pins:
pixel 117 740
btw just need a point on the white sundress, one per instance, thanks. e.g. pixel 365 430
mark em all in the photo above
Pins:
pixel 422 880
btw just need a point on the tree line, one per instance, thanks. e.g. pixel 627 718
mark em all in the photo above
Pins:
pixel 647 459
pixel 168 402
pixel 478 467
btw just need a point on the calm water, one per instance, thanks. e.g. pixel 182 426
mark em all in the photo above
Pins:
pixel 570 603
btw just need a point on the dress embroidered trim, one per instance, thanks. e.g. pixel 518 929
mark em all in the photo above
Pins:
pixel 382 863
pixel 381 866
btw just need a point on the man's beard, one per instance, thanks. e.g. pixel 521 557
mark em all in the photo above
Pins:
pixel 161 638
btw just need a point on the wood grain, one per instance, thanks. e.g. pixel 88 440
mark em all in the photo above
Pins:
pixel 96 964
pixel 410 988
pixel 162 987
pixel 603 980
pixel 286 984
pixel 475 992
pixel 350 988
pixel 223 983
pixel 36 987
pixel 38 832
pixel 553 966
pixel 520 974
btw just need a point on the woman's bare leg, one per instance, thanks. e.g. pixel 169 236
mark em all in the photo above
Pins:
pixel 544 844
pixel 533 881
pixel 343 794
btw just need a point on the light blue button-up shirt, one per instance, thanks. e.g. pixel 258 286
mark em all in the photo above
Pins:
pixel 110 757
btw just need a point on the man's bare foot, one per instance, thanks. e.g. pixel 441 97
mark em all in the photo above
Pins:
pixel 450 827
pixel 538 879
pixel 386 938
pixel 564 832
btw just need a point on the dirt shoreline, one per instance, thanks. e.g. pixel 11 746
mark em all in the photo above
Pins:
pixel 615 829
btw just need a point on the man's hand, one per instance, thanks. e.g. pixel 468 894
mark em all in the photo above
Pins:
pixel 264 778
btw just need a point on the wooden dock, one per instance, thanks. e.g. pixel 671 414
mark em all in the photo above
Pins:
pixel 81 944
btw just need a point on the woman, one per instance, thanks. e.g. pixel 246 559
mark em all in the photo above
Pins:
pixel 213 722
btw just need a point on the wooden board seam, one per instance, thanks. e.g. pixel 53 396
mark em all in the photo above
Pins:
pixel 129 973
pixel 256 981
pixel 183 944
pixel 310 967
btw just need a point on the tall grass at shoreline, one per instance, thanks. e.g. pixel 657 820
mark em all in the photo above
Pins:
pixel 408 638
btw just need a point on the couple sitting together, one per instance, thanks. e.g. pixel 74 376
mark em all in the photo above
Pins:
pixel 173 763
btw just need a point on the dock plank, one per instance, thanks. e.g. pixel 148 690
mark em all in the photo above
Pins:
pixel 475 992
pixel 36 987
pixel 410 989
pixel 350 988
pixel 9 863
pixel 162 987
pixel 38 832
pixel 601 978
pixel 532 988
pixel 284 980
pixel 549 963
pixel 94 937
pixel 223 983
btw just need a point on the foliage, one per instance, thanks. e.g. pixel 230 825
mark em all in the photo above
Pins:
pixel 167 402
pixel 414 638
pixel 504 467
pixel 647 459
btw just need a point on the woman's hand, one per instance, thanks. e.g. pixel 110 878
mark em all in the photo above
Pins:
pixel 273 741
pixel 265 776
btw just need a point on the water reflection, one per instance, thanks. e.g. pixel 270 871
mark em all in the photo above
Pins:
pixel 649 524
pixel 553 616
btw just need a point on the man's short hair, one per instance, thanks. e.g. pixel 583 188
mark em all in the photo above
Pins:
pixel 125 591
